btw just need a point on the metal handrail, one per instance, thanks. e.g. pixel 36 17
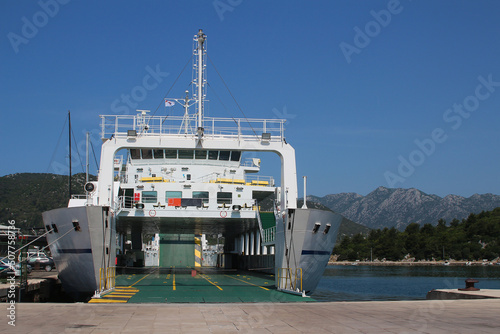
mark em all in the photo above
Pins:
pixel 107 278
pixel 214 127
pixel 290 279
pixel 269 234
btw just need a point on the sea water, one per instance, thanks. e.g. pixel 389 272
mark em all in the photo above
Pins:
pixel 360 283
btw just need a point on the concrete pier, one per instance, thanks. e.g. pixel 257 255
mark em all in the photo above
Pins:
pixel 41 286
pixel 460 294
pixel 427 316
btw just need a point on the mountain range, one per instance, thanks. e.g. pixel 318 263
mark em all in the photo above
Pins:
pixel 397 207
pixel 25 196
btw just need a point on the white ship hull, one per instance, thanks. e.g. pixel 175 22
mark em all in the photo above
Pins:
pixel 309 247
pixel 188 175
pixel 81 252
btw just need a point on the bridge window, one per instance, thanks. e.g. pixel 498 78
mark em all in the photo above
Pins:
pixel 200 154
pixel 158 154
pixel 224 155
pixel 201 194
pixel 149 197
pixel 173 194
pixel 224 197
pixel 171 154
pixel 186 154
pixel 147 153
pixel 235 155
pixel 135 153
pixel 212 155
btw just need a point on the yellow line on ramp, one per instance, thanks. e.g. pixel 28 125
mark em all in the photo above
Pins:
pixel 209 281
pixel 247 282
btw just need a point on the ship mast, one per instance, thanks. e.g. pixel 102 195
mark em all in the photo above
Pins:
pixel 69 141
pixel 199 68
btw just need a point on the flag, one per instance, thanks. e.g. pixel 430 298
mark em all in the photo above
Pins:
pixel 169 103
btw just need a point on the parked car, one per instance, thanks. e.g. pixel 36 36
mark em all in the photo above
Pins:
pixel 41 261
pixel 6 269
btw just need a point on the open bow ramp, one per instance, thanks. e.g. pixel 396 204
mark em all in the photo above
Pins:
pixel 185 285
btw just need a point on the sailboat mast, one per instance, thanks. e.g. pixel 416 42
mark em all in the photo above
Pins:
pixel 69 139
pixel 87 166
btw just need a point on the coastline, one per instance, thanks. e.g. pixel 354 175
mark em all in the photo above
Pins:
pixel 413 263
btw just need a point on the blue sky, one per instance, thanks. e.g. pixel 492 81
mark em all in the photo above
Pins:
pixel 375 93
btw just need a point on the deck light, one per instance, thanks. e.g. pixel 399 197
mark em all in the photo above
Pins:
pixel 131 133
pixel 266 136
pixel 89 187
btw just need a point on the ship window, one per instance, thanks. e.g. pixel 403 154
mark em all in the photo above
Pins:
pixel 135 153
pixel 201 194
pixel 185 154
pixel 200 154
pixel 212 155
pixel 224 155
pixel 149 197
pixel 158 154
pixel 235 155
pixel 173 194
pixel 147 154
pixel 76 225
pixel 223 197
pixel 171 154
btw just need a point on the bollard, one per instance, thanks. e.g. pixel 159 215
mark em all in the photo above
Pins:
pixel 469 285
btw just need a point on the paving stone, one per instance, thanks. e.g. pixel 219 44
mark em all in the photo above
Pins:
pixel 455 316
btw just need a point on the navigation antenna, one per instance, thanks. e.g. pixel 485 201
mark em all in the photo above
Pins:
pixel 199 77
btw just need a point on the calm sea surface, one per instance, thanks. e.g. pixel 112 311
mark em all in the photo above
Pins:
pixel 357 283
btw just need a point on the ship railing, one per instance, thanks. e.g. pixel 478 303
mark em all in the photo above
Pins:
pixel 125 202
pixel 250 162
pixel 79 196
pixel 222 204
pixel 290 279
pixel 107 278
pixel 259 180
pixel 214 127
pixel 249 180
pixel 268 236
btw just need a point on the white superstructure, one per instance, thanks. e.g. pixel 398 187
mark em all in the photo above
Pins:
pixel 183 176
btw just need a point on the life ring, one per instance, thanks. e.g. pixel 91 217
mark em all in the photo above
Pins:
pixel 223 214
pixel 152 213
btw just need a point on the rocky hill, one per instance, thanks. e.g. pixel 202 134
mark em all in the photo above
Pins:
pixel 24 196
pixel 385 207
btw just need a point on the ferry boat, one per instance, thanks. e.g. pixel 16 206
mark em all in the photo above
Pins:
pixel 182 177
